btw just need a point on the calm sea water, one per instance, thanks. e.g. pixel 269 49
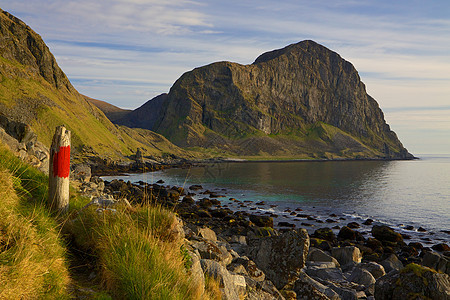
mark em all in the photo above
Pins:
pixel 396 193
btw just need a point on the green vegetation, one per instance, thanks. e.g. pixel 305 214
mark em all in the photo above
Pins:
pixel 32 255
pixel 136 250
pixel 25 95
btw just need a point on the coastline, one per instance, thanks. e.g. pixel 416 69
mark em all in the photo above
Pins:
pixel 229 232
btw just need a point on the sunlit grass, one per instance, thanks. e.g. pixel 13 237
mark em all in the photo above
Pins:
pixel 138 252
pixel 32 255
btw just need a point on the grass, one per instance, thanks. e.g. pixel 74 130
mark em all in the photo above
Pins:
pixel 32 255
pixel 24 94
pixel 135 250
pixel 138 254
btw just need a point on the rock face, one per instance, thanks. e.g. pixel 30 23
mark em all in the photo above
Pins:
pixel 413 282
pixel 303 99
pixel 281 257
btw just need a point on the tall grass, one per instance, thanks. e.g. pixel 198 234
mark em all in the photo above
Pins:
pixel 32 256
pixel 136 250
pixel 138 253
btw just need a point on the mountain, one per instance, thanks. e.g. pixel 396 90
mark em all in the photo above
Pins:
pixel 303 100
pixel 112 112
pixel 36 94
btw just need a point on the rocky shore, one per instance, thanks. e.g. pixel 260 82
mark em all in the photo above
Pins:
pixel 256 258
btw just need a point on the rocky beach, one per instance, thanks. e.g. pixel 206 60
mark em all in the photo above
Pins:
pixel 260 255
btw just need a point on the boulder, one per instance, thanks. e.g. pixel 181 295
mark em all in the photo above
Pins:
pixel 326 274
pixel 280 257
pixel 325 233
pixel 81 172
pixel 195 187
pixel 437 262
pixel 196 270
pixel 375 269
pixel 250 268
pixel 413 282
pixel 386 234
pixel 442 247
pixel 318 255
pixel 307 288
pixel 262 290
pixel 346 255
pixel 261 221
pixel 362 277
pixel 392 263
pixel 347 233
pixel 210 250
pixel 206 233
pixel 232 286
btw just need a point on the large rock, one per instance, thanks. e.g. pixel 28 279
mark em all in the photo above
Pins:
pixel 392 263
pixel 347 255
pixel 327 274
pixel 325 233
pixel 81 172
pixel 196 270
pixel 262 221
pixel 362 277
pixel 386 234
pixel 280 257
pixel 250 268
pixel 303 88
pixel 437 262
pixel 232 286
pixel 308 288
pixel 375 269
pixel 211 250
pixel 413 282
pixel 317 255
pixel 346 233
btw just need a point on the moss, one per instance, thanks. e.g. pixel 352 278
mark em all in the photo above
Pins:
pixel 416 269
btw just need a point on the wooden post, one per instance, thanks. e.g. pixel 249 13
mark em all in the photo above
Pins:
pixel 59 171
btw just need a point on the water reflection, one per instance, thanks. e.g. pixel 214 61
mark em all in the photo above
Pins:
pixel 408 192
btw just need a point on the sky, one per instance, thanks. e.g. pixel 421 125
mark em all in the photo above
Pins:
pixel 126 52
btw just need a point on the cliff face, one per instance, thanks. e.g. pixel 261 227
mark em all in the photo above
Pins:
pixel 18 42
pixel 303 99
pixel 36 94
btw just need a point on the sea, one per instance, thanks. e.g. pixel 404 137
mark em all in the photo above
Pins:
pixel 406 195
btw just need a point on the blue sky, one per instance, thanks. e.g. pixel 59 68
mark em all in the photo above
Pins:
pixel 128 51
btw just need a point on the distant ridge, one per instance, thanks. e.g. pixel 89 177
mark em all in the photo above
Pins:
pixel 112 112
pixel 303 100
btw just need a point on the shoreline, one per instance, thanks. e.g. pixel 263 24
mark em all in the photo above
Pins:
pixel 306 215
pixel 117 168
pixel 217 233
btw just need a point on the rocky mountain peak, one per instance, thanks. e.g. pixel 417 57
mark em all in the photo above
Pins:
pixel 303 99
pixel 18 42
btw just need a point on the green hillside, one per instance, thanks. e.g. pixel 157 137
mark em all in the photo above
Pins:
pixel 34 91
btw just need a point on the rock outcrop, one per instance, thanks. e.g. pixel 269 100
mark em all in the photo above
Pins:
pixel 303 99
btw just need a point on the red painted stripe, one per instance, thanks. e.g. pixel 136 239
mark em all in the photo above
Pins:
pixel 61 162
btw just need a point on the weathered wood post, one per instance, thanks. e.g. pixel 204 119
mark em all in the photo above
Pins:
pixel 59 171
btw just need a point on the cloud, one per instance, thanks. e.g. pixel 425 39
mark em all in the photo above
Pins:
pixel 127 51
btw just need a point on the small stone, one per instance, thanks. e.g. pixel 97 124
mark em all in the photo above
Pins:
pixel 346 233
pixel 368 222
pixel 353 225
pixel 441 247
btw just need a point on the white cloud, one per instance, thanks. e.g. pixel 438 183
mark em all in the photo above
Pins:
pixel 400 48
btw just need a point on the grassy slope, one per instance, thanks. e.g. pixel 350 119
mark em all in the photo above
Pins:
pixel 44 107
pixel 134 249
pixel 32 255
